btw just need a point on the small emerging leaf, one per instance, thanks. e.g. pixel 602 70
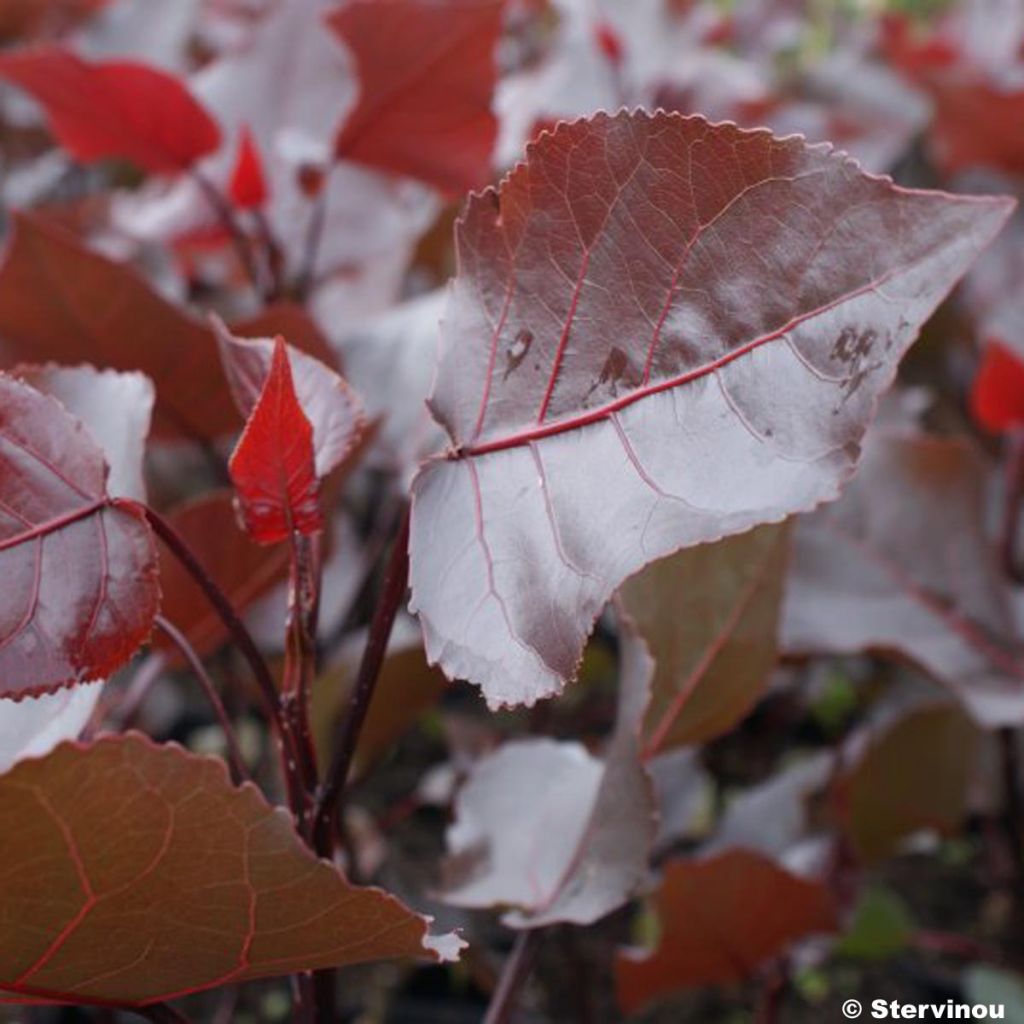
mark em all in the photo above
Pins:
pixel 272 467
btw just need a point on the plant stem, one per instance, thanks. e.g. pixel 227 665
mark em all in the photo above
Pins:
pixel 395 583
pixel 239 771
pixel 1013 481
pixel 513 976
pixel 314 236
pixel 1013 806
pixel 230 223
pixel 300 662
pixel 178 547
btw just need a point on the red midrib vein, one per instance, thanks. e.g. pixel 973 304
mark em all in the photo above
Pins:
pixel 603 412
pixel 52 525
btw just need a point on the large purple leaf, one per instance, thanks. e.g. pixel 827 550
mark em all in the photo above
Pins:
pixel 661 332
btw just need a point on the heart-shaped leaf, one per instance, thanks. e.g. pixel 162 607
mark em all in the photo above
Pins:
pixel 661 332
pixel 115 109
pixel 272 467
pixel 426 77
pixel 190 882
pixel 80 583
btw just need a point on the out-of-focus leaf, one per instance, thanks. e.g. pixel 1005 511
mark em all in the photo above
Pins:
pixel 426 77
pixel 273 467
pixel 59 301
pixel 997 396
pixel 242 569
pixel 913 775
pixel 80 579
pixel 994 987
pixel 903 564
pixel 721 919
pixel 881 926
pixel 556 833
pixel 332 408
pixel 613 395
pixel 248 186
pixel 189 883
pixel 709 616
pixel 406 688
pixel 115 109
pixel 23 19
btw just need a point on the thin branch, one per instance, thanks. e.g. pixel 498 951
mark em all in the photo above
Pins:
pixel 513 977
pixel 235 758
pixel 395 583
pixel 1013 497
pixel 240 239
pixel 314 236
pixel 178 547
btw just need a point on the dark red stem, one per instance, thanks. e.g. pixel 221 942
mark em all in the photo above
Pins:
pixel 513 977
pixel 239 771
pixel 395 583
pixel 178 547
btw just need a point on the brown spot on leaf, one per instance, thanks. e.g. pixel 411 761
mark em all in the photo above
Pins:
pixel 516 352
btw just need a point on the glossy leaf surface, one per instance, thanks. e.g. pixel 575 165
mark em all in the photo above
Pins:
pixel 613 393
pixel 80 575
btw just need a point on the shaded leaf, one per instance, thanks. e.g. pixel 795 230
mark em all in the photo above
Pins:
pixel 721 919
pixel 242 569
pixel 272 466
pixel 189 884
pixel 328 403
pixel 709 616
pixel 24 19
pixel 881 926
pixel 556 833
pixel 426 76
pixel 612 393
pixel 902 564
pixel 80 574
pixel 914 774
pixel 115 109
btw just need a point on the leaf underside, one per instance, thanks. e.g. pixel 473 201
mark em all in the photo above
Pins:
pixel 661 332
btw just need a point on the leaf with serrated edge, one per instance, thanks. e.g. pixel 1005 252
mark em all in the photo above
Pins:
pixel 661 332
pixel 190 882
pixel 80 584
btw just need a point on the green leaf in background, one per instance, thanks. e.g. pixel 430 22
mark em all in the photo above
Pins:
pixel 881 926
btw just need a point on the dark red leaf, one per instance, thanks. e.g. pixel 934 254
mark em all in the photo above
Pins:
pixel 273 467
pixel 115 109
pixel 997 396
pixel 80 582
pixel 612 391
pixel 248 185
pixel 426 76
pixel 135 872
pixel 722 918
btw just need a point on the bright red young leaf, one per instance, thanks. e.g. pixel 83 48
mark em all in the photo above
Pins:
pixel 115 109
pixel 722 918
pixel 80 582
pixel 613 394
pixel 273 466
pixel 248 185
pixel 997 395
pixel 244 571
pixel 331 406
pixel 135 872
pixel 426 76
pixel 903 564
